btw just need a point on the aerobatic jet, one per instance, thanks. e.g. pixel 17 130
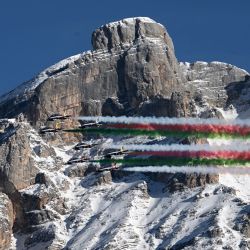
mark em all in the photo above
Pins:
pixel 55 117
pixel 45 130
pixel 81 145
pixel 113 167
pixel 90 125
pixel 77 160
pixel 122 151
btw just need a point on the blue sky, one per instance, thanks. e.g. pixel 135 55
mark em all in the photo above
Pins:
pixel 38 33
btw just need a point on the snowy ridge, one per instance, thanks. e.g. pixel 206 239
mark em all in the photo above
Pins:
pixel 130 20
pixel 187 66
pixel 27 87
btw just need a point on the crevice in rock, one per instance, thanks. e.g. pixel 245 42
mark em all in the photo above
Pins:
pixel 137 29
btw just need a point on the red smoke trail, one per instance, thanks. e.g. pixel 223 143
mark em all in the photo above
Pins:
pixel 198 154
pixel 204 128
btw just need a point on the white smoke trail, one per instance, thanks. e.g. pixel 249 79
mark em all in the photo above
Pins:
pixel 181 147
pixel 191 169
pixel 165 120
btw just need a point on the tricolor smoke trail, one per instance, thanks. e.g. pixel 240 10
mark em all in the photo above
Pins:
pixel 137 132
pixel 165 120
pixel 176 158
pixel 171 126
pixel 190 169
pixel 198 128
pixel 239 152
pixel 225 155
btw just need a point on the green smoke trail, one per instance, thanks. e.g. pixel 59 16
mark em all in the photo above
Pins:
pixel 155 133
pixel 173 161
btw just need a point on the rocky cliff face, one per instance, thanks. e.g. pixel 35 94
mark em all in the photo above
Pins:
pixel 17 165
pixel 17 169
pixel 238 96
pixel 210 80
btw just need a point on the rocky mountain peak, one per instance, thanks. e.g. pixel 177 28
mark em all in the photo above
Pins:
pixel 124 32
pixel 132 62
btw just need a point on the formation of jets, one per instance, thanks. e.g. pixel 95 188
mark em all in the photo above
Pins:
pixel 81 145
pixel 60 117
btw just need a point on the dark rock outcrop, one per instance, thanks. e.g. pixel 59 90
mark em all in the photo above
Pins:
pixel 104 178
pixel 243 224
pixel 215 232
pixel 41 179
pixel 37 217
pixel 42 235
pixel 178 181
pixel 239 97
pixel 76 171
pixel 182 104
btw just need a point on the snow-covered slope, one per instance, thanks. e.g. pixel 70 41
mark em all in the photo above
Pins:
pixel 130 211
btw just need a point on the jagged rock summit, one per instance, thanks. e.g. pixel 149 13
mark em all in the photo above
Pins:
pixel 127 31
pixel 132 61
pixel 132 70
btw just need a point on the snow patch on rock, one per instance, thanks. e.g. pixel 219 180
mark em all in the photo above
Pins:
pixel 27 87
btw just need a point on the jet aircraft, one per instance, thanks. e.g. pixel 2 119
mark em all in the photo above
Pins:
pixel 81 145
pixel 113 167
pixel 45 130
pixel 90 124
pixel 55 117
pixel 77 160
pixel 122 151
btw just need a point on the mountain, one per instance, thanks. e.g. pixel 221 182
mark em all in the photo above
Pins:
pixel 132 70
pixel 132 60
